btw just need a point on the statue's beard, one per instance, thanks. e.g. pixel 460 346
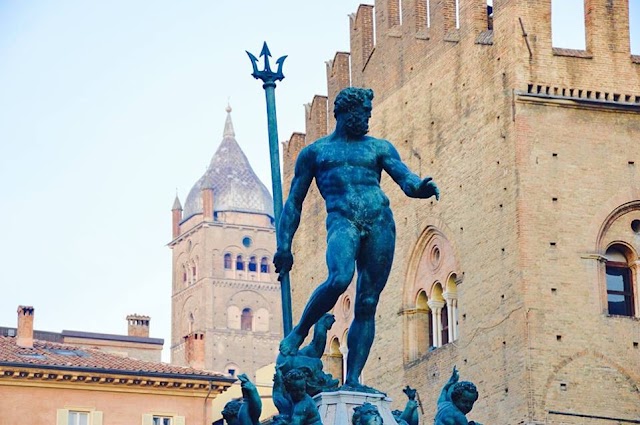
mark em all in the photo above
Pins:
pixel 356 126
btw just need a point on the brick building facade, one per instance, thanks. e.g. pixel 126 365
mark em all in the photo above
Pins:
pixel 43 382
pixel 525 274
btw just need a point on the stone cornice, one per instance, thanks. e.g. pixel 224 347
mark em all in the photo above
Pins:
pixel 246 284
pixel 577 102
pixel 59 377
pixel 270 336
pixel 202 224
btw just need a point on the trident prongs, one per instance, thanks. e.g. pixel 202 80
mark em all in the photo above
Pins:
pixel 266 75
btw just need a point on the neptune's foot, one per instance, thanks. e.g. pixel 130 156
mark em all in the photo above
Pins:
pixel 359 388
pixel 289 346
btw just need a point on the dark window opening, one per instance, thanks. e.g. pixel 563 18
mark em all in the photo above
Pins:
pixel 227 261
pixel 444 319
pixel 239 263
pixel 264 265
pixel 253 265
pixel 246 320
pixel 619 283
pixel 619 289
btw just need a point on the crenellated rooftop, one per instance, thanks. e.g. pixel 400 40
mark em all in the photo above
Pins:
pixel 397 41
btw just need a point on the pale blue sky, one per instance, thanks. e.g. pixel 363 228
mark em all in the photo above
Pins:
pixel 105 109
pixel 568 30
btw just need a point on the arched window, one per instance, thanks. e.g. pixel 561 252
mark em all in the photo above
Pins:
pixel 264 265
pixel 184 274
pixel 253 265
pixel 246 320
pixel 619 282
pixel 232 369
pixel 430 295
pixel 227 261
pixel 420 328
pixel 239 263
pixel 335 360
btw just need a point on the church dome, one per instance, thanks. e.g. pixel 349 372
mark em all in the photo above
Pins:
pixel 236 187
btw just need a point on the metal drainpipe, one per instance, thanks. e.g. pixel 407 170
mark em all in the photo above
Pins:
pixel 204 406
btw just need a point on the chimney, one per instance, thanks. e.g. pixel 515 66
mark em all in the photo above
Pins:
pixel 194 350
pixel 176 217
pixel 207 204
pixel 25 326
pixel 138 325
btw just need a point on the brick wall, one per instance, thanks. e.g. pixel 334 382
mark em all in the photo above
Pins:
pixel 484 113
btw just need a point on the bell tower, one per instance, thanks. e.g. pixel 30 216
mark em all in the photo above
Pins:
pixel 226 313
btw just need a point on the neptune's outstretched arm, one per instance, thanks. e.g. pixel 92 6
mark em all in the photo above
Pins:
pixel 412 185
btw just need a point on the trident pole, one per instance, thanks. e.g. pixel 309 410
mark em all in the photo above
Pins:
pixel 269 79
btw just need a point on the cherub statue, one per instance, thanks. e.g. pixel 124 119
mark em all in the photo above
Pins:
pixel 367 414
pixel 455 401
pixel 409 416
pixel 302 408
pixel 246 411
pixel 309 360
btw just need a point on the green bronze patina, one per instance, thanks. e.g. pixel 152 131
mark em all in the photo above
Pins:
pixel 246 411
pixel 367 414
pixel 408 416
pixel 347 167
pixel 455 401
pixel 305 364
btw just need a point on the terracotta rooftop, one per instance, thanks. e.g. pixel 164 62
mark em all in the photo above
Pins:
pixel 68 357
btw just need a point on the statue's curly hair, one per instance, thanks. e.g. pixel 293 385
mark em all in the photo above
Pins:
pixel 294 375
pixel 349 98
pixel 359 411
pixel 460 387
pixel 231 409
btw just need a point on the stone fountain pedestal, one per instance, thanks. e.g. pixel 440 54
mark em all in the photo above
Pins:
pixel 336 408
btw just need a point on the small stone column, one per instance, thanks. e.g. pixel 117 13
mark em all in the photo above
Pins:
pixel 454 303
pixel 436 309
pixel 345 352
pixel 450 299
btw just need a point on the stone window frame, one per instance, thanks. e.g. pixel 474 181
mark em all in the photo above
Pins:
pixel 252 266
pixel 247 319
pixel 239 263
pixel 227 261
pixel 631 265
pixel 94 417
pixel 616 230
pixel 265 266
pixel 149 418
pixel 432 262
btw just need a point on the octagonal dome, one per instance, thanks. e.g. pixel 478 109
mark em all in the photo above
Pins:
pixel 236 187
